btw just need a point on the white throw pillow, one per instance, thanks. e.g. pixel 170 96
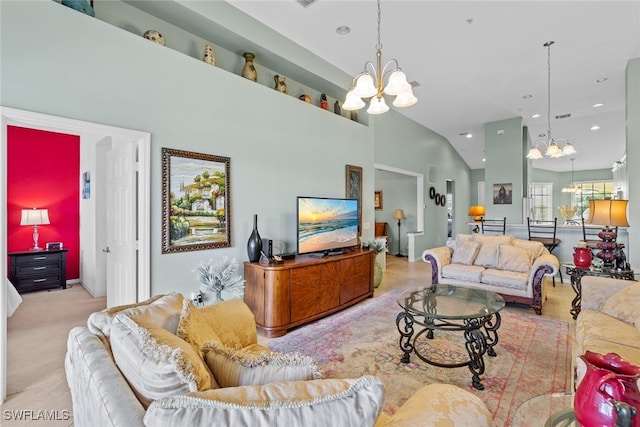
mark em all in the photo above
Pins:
pixel 465 252
pixel 535 248
pixel 317 403
pixel 257 365
pixel 624 305
pixel 155 362
pixel 513 258
pixel 488 254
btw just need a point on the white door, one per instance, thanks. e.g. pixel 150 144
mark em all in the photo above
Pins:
pixel 121 224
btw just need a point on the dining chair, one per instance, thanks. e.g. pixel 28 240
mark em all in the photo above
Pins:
pixel 493 226
pixel 545 233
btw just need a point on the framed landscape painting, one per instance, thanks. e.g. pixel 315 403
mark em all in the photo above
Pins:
pixel 195 201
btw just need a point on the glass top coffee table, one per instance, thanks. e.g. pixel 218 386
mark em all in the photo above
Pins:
pixel 474 312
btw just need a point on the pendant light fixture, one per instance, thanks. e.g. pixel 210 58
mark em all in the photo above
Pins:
pixel 370 84
pixel 571 188
pixel 554 148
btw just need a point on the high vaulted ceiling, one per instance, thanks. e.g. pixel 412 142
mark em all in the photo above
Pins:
pixel 481 61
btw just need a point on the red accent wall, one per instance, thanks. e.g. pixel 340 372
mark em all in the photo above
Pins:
pixel 43 171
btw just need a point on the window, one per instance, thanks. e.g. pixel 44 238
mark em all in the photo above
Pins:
pixel 591 190
pixel 542 201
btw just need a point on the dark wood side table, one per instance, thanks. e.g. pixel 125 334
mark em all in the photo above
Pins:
pixel 576 275
pixel 37 270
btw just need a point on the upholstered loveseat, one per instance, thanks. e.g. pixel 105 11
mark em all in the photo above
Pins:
pixel 165 362
pixel 609 320
pixel 511 267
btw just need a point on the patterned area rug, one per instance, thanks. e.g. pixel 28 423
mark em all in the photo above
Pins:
pixel 533 355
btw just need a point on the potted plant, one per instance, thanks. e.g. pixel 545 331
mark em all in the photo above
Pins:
pixel 377 246
pixel 217 276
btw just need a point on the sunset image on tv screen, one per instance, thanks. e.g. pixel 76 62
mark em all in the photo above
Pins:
pixel 326 224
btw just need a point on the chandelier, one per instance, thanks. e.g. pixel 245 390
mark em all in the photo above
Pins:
pixel 371 85
pixel 571 188
pixel 554 148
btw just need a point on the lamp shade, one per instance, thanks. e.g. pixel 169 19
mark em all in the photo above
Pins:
pixel 399 214
pixel 34 217
pixel 477 210
pixel 377 105
pixel 608 212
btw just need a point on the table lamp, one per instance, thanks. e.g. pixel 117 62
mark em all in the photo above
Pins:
pixel 608 213
pixel 477 212
pixel 35 217
pixel 399 215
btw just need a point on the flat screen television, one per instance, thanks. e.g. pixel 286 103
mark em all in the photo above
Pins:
pixel 326 225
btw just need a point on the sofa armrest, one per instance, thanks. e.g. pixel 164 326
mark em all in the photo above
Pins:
pixel 100 394
pixel 596 290
pixel 438 257
pixel 440 405
pixel 545 265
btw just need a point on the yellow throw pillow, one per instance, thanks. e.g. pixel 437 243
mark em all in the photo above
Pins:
pixel 162 311
pixel 232 321
pixel 257 365
pixel 193 326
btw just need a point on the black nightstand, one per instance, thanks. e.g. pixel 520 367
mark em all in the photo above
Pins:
pixel 37 270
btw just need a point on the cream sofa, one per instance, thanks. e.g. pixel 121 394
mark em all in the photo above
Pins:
pixel 165 362
pixel 609 320
pixel 511 267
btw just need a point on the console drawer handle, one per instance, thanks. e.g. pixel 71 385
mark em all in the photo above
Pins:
pixel 40 257
pixel 39 268
pixel 39 280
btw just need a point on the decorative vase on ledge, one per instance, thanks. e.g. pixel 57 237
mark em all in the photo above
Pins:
pixel 254 245
pixel 249 71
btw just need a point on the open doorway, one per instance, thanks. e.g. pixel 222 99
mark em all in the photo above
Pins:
pixel 139 215
pixel 451 189
pixel 419 225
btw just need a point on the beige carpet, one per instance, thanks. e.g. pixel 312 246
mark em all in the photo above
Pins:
pixel 37 392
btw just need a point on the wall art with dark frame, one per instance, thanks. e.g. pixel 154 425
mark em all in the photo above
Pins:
pixel 354 190
pixel 377 200
pixel 503 194
pixel 196 208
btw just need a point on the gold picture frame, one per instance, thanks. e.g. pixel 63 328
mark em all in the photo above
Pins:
pixel 377 200
pixel 196 208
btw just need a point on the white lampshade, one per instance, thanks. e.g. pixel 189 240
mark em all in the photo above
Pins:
pixel 352 102
pixel 377 106
pixel 568 149
pixel 397 83
pixel 365 87
pixel 534 154
pixel 34 217
pixel 405 99
pixel 553 150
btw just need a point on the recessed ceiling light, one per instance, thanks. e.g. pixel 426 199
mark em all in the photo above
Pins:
pixel 469 135
pixel 602 79
pixel 343 30
pixel 527 96
pixel 597 105
pixel 484 160
pixel 595 127
pixel 535 116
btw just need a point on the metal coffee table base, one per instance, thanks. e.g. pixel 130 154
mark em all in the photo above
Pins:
pixel 481 335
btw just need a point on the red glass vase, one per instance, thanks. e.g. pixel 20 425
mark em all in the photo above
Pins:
pixel 582 257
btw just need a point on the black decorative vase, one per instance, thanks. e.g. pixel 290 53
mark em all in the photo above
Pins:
pixel 254 245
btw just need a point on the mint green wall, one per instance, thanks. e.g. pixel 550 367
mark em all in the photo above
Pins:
pixel 402 143
pixel 477 175
pixel 633 157
pixel 58 61
pixel 500 150
pixel 398 192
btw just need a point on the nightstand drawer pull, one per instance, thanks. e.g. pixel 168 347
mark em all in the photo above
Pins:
pixel 40 257
pixel 39 268
pixel 39 280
